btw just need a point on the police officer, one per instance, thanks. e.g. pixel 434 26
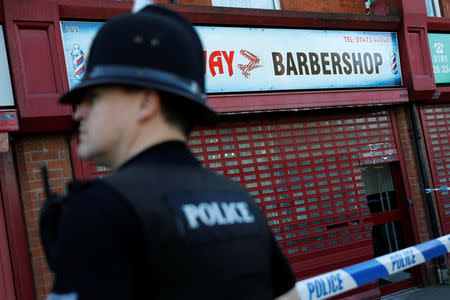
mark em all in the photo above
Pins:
pixel 161 226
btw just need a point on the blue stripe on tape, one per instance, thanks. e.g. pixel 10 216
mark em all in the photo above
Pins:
pixel 431 249
pixel 71 296
pixel 367 271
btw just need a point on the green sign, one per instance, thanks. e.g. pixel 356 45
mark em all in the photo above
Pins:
pixel 440 52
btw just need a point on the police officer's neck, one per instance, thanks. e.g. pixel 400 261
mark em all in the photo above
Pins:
pixel 147 136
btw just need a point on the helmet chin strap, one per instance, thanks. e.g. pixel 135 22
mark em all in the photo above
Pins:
pixel 140 4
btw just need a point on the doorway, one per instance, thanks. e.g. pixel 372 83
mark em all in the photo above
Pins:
pixel 391 230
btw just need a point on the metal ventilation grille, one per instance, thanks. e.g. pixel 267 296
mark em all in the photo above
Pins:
pixel 436 126
pixel 305 174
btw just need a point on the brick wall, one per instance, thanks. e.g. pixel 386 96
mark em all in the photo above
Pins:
pixel 413 175
pixel 330 6
pixel 445 8
pixel 423 226
pixel 31 152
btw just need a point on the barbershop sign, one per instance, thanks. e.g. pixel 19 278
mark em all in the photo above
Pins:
pixel 260 59
pixel 6 94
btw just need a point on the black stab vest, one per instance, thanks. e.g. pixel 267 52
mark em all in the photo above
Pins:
pixel 201 243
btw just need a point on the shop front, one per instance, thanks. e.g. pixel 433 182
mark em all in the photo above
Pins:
pixel 325 167
pixel 314 123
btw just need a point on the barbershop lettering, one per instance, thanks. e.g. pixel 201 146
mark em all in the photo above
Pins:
pixel 326 63
pixel 218 61
pixel 403 260
pixel 217 214
pixel 324 286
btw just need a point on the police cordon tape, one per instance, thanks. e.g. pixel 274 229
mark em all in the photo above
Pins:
pixel 342 280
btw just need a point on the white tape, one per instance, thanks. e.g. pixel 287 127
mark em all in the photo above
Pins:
pixel 325 285
pixel 446 241
pixel 401 260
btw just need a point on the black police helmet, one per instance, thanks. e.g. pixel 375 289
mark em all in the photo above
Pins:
pixel 154 48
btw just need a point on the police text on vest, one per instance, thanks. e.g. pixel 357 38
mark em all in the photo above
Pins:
pixel 217 213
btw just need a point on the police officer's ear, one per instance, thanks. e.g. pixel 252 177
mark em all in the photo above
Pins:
pixel 150 105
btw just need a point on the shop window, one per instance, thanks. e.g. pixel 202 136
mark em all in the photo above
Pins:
pixel 265 4
pixel 433 9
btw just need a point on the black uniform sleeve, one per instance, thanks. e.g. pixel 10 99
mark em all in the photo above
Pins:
pixel 98 247
pixel 283 279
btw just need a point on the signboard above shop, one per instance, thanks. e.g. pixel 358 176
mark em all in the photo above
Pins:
pixel 258 59
pixel 241 59
pixel 6 93
pixel 439 49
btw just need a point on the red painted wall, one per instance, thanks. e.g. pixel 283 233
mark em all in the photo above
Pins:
pixel 6 274
pixel 33 151
pixel 332 6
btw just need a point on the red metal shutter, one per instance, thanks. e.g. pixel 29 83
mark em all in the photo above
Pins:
pixel 306 176
pixel 305 173
pixel 436 127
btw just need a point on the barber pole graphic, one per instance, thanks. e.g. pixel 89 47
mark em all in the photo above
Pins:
pixel 78 62
pixel 251 65
pixel 394 67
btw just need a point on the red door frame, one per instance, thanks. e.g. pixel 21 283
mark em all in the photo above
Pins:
pixel 13 215
pixel 7 282
pixel 405 212
pixel 408 234
pixel 398 214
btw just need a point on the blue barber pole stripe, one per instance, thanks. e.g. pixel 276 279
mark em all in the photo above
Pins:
pixel 342 280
